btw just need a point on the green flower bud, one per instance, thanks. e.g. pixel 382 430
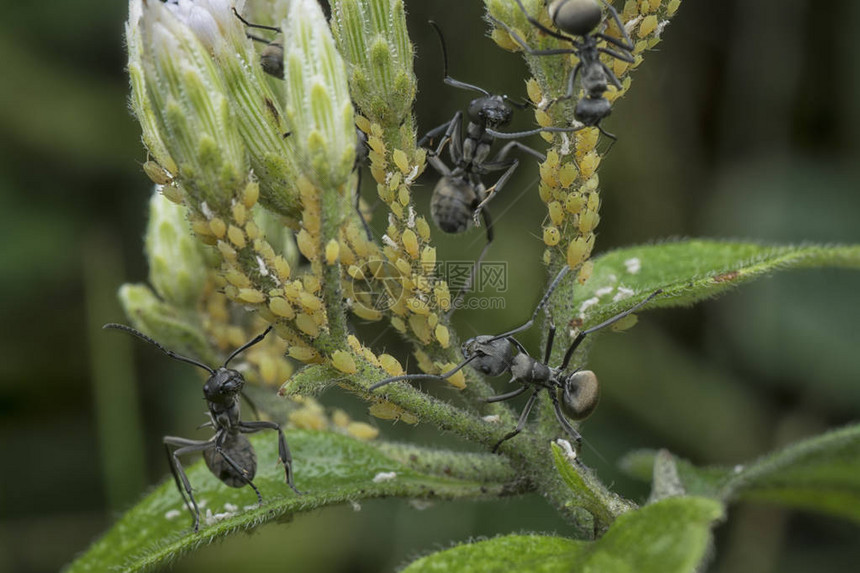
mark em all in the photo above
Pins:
pixel 317 97
pixel 189 99
pixel 163 322
pixel 177 269
pixel 372 36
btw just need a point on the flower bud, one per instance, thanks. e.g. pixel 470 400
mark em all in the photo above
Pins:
pixel 372 36
pixel 177 269
pixel 317 97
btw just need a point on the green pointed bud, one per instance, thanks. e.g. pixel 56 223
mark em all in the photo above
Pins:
pixel 189 100
pixel 172 328
pixel 372 36
pixel 139 101
pixel 177 269
pixel 317 97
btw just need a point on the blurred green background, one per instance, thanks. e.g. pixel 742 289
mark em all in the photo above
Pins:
pixel 744 124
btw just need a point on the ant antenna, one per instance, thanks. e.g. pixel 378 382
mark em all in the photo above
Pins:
pixel 448 79
pixel 258 26
pixel 443 376
pixel 247 345
pixel 170 353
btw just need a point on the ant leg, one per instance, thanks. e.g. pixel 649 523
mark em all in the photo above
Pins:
pixel 626 43
pixel 581 336
pixel 442 376
pixel 550 339
pixel 283 449
pixel 439 129
pixel 504 151
pixel 572 432
pixel 506 396
pixel 553 285
pixel 185 446
pixel 240 471
pixel 571 81
pixel 521 423
pixel 497 186
pixel 519 134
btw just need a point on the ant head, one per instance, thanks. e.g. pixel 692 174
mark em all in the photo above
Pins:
pixel 575 17
pixel 491 357
pixel 579 394
pixel 224 385
pixel 490 111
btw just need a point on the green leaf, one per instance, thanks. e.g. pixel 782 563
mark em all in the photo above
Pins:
pixel 820 474
pixel 693 270
pixel 329 468
pixel 665 537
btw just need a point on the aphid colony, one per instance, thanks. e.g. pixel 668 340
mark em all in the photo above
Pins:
pixel 458 202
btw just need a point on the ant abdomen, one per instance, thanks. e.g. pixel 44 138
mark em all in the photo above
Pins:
pixel 579 394
pixel 240 450
pixel 452 204
pixel 576 17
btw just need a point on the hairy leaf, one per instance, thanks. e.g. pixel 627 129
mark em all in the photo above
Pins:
pixel 821 474
pixel 665 537
pixel 329 468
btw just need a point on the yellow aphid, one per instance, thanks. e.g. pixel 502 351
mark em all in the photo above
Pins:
pixel 263 247
pixel 354 342
pixel 545 192
pixel 627 322
pixel 218 227
pixel 311 283
pixel 585 272
pixel 172 193
pixel 403 195
pixel 282 267
pixel 377 145
pixel 551 236
pixel 344 362
pixel 366 313
pixel 432 319
pixel 648 25
pixel 423 228
pixel 307 419
pixel 397 209
pixel 592 184
pixel 424 362
pixel 370 357
pixel 310 302
pixel 410 243
pixel 156 173
pixel 394 180
pixel 292 290
pixel 282 308
pixel 303 353
pixel 399 324
pixel 252 230
pixel 588 164
pixel 251 295
pixel 593 202
pixel 385 193
pixel 389 411
pixel 362 123
pixel 442 295
pixel 418 306
pixel 237 278
pixel 442 335
pixel 332 252
pixel 401 161
pixel 504 40
pixel 428 259
pixel 533 89
pixel 378 172
pixel 320 317
pixel 586 140
pixel 547 257
pixel 578 250
pixel 672 7
pixel 567 174
pixel 236 236
pixel 419 327
pixel 619 68
pixel 340 418
pixel 201 227
pixel 457 380
pixel 543 119
pixel 306 244
pixel 311 221
pixel 376 129
pixel 251 194
pixel 588 221
pixel 556 213
pixel 307 324
pixel 239 213
pixel 390 364
pixel 268 369
pixel 362 431
pixel 574 202
pixel 355 272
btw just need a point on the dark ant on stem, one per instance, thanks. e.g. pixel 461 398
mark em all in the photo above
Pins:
pixel 460 196
pixel 228 454
pixel 578 19
pixel 272 62
pixel 574 394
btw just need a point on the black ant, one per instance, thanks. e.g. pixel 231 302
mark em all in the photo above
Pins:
pixel 272 62
pixel 228 454
pixel 460 196
pixel 574 394
pixel 577 19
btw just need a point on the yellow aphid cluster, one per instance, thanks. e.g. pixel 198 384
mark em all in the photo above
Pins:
pixel 408 263
pixel 385 410
pixel 311 416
